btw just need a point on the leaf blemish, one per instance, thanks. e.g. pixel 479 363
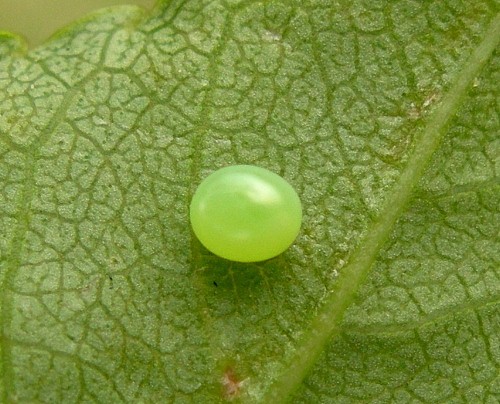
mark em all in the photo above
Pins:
pixel 231 384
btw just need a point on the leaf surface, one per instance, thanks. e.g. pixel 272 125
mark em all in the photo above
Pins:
pixel 383 115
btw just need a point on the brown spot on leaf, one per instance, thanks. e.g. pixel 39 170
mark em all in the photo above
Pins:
pixel 231 384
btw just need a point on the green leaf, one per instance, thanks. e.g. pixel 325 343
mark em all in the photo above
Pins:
pixel 383 115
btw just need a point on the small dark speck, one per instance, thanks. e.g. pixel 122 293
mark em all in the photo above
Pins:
pixel 215 284
pixel 110 278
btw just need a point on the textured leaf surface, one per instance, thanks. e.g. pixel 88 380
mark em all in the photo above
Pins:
pixel 383 115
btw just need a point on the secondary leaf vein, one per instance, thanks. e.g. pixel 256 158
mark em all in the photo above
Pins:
pixel 327 323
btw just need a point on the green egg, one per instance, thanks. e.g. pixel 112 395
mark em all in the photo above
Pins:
pixel 245 213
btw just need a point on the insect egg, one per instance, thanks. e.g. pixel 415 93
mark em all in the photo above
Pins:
pixel 245 213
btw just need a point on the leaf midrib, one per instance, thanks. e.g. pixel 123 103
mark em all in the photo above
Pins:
pixel 326 324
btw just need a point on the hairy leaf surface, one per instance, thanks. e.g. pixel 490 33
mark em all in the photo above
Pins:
pixel 385 118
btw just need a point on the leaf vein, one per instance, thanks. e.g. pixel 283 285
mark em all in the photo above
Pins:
pixel 327 323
